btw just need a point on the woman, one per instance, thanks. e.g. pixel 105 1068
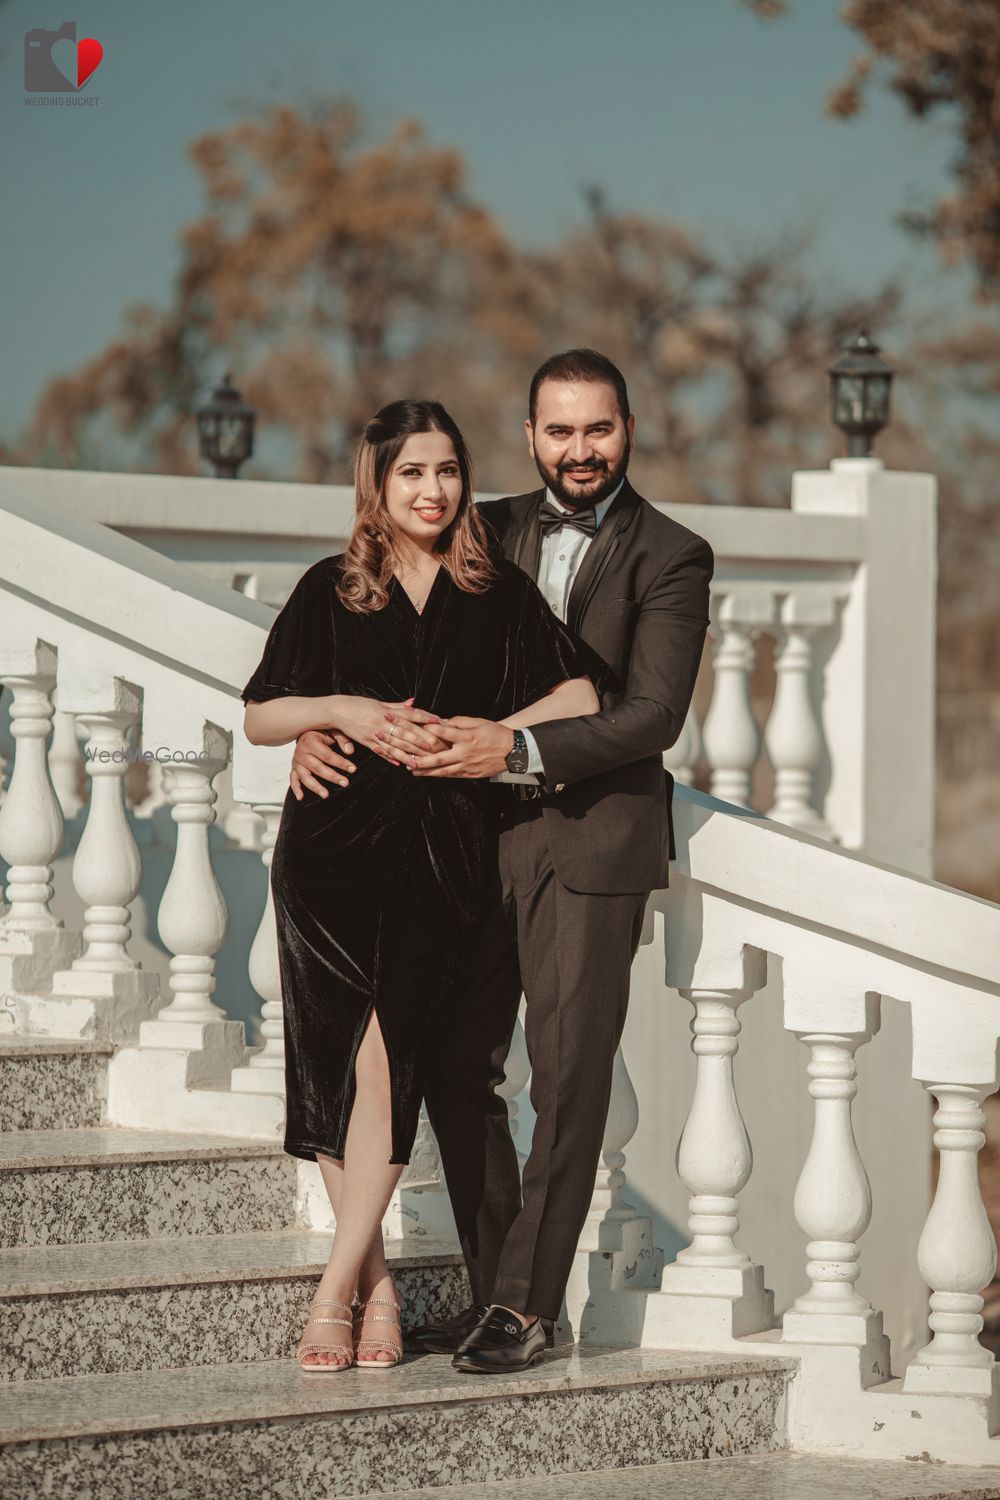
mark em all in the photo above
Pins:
pixel 378 890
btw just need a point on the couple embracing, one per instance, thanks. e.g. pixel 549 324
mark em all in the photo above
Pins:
pixel 480 696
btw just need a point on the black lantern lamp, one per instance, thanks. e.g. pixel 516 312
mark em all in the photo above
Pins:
pixel 859 393
pixel 225 430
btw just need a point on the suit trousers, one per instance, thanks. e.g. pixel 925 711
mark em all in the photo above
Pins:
pixel 572 951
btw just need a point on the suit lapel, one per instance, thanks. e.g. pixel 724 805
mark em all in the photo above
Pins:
pixel 621 513
pixel 527 551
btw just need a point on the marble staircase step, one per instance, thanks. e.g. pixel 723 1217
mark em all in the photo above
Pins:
pixel 108 1182
pixel 202 1300
pixel 267 1430
pixel 764 1476
pixel 51 1083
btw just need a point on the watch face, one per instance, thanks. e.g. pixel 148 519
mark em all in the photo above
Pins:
pixel 517 760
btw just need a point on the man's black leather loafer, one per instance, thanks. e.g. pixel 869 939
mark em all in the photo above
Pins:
pixel 447 1334
pixel 499 1343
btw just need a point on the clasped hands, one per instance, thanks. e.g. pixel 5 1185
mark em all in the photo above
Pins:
pixel 423 743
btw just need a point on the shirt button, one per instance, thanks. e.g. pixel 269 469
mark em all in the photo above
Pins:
pixel 562 557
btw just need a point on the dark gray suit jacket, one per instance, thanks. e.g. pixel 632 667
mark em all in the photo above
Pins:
pixel 640 598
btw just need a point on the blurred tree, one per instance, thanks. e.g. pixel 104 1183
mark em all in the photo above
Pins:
pixel 319 272
pixel 938 55
pixel 332 275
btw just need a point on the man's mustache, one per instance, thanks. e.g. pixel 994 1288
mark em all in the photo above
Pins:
pixel 592 467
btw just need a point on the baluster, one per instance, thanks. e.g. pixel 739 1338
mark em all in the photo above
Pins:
pixel 64 764
pixel 192 920
pixel 31 821
pixel 683 756
pixel 712 1293
pixel 106 866
pixel 731 736
pixel 157 789
pixel 608 1209
pixel 517 1071
pixel 265 1072
pixel 793 737
pixel 714 1159
pixel 957 1253
pixel 833 1206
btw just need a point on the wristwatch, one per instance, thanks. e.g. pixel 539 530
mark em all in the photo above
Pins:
pixel 517 760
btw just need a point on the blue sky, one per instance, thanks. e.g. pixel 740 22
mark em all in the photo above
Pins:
pixel 691 109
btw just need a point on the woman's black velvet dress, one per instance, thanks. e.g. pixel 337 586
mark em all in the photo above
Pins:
pixel 379 888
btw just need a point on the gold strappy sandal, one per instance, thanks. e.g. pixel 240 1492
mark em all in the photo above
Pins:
pixel 379 1344
pixel 321 1368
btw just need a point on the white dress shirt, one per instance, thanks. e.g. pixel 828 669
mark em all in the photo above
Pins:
pixel 561 556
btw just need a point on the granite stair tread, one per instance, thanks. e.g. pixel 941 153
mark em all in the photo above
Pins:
pixel 37 1270
pixel 93 1405
pixel 25 1045
pixel 97 1145
pixel 764 1476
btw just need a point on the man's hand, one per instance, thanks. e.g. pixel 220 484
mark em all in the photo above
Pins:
pixel 316 757
pixel 478 749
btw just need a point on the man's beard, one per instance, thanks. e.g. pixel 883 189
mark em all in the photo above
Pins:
pixel 610 479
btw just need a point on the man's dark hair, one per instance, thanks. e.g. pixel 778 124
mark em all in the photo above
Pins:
pixel 580 364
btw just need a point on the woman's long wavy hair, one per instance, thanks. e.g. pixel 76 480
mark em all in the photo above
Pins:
pixel 373 549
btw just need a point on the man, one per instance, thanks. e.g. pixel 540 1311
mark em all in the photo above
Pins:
pixel 580 851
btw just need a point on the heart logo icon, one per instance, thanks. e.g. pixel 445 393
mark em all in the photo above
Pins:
pixel 77 60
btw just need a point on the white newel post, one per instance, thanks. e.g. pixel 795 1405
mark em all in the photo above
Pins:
pixel 957 1254
pixel 713 1293
pixel 793 735
pixel 31 821
pixel 730 733
pixel 878 702
pixel 265 1072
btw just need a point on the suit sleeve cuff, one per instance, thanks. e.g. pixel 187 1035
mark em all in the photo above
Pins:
pixel 534 754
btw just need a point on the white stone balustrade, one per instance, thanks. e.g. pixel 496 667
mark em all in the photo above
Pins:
pixel 844 936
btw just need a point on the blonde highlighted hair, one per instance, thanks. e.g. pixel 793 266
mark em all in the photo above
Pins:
pixel 371 553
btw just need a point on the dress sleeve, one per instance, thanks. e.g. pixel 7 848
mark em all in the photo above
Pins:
pixel 546 652
pixel 299 653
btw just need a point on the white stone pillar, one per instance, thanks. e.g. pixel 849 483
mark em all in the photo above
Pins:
pixel 833 1206
pixel 878 699
pixel 265 1072
pixel 609 1211
pixel 31 821
pixel 192 919
pixel 957 1254
pixel 157 789
pixel 713 1293
pixel 730 734
pixel 517 1072
pixel 106 867
pixel 792 734
pixel 714 1159
pixel 683 756
pixel 64 763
